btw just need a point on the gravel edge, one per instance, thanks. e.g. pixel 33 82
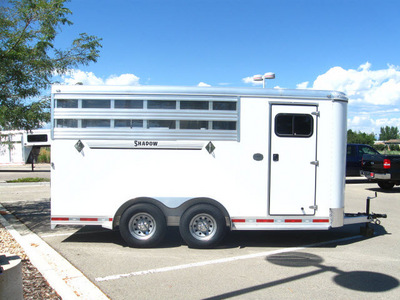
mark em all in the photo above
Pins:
pixel 35 286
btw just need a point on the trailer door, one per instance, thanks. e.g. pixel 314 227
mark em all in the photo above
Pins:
pixel 293 159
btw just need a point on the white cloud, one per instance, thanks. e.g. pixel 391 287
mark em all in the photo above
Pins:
pixel 89 78
pixel 380 87
pixel 124 79
pixel 366 123
pixel 363 121
pixel 77 76
pixel 203 84
pixel 302 85
pixel 388 122
pixel 374 95
pixel 387 93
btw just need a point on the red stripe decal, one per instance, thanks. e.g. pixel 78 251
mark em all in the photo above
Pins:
pixel 265 221
pixel 238 220
pixel 321 221
pixel 60 219
pixel 88 219
pixel 293 220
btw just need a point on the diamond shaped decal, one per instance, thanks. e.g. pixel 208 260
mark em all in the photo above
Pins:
pixel 210 147
pixel 79 146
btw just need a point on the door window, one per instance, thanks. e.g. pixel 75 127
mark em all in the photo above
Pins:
pixel 294 125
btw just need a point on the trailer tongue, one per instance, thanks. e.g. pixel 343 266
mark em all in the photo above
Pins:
pixel 365 218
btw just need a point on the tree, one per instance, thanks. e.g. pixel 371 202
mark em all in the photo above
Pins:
pixel 360 137
pixel 28 58
pixel 389 133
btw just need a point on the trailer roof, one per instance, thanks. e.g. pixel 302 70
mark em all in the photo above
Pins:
pixel 223 91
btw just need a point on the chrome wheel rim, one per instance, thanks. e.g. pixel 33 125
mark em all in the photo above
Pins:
pixel 203 227
pixel 142 226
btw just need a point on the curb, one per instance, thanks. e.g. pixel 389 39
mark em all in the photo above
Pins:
pixel 68 281
pixel 4 183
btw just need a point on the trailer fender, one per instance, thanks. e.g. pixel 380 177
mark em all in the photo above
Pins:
pixel 172 214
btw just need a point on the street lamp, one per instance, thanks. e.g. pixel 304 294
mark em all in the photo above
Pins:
pixel 264 77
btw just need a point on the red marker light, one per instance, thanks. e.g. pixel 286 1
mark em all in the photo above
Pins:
pixel 386 163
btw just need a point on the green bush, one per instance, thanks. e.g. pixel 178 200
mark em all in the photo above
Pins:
pixel 380 147
pixel 28 179
pixel 385 148
pixel 394 147
pixel 44 155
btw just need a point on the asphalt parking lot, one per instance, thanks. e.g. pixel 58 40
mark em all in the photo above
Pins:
pixel 249 265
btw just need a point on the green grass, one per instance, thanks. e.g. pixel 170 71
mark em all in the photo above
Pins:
pixel 29 179
pixel 390 152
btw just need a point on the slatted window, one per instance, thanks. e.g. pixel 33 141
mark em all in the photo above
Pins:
pixel 194 125
pixel 128 123
pixel 96 103
pixel 66 123
pixel 96 123
pixel 67 103
pixel 197 105
pixel 129 104
pixel 155 116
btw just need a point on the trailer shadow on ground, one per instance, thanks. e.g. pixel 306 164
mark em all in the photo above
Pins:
pixel 328 239
pixel 241 239
pixel 36 216
pixel 393 190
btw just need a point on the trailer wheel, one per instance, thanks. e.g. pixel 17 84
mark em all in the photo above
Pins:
pixel 143 225
pixel 202 226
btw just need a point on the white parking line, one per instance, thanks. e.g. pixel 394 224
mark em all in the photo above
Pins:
pixel 222 260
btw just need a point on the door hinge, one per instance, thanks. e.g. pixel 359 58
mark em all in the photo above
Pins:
pixel 315 163
pixel 316 113
pixel 314 207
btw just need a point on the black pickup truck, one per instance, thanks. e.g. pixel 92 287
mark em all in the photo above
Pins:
pixel 382 169
pixel 354 156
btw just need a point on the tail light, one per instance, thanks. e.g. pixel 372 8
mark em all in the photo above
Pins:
pixel 386 163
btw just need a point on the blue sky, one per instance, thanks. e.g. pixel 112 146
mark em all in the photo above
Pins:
pixel 348 45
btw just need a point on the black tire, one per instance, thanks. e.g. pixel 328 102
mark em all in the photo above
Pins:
pixel 143 226
pixel 386 185
pixel 202 226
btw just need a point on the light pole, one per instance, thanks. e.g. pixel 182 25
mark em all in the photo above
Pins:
pixel 264 77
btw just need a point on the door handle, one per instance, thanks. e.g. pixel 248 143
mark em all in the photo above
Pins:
pixel 275 157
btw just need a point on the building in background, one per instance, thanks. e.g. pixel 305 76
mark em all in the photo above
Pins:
pixel 21 147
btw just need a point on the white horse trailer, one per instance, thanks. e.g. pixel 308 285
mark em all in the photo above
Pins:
pixel 204 159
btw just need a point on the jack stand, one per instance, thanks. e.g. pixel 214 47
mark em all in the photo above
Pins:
pixel 367 231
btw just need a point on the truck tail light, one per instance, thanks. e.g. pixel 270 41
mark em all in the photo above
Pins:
pixel 386 163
